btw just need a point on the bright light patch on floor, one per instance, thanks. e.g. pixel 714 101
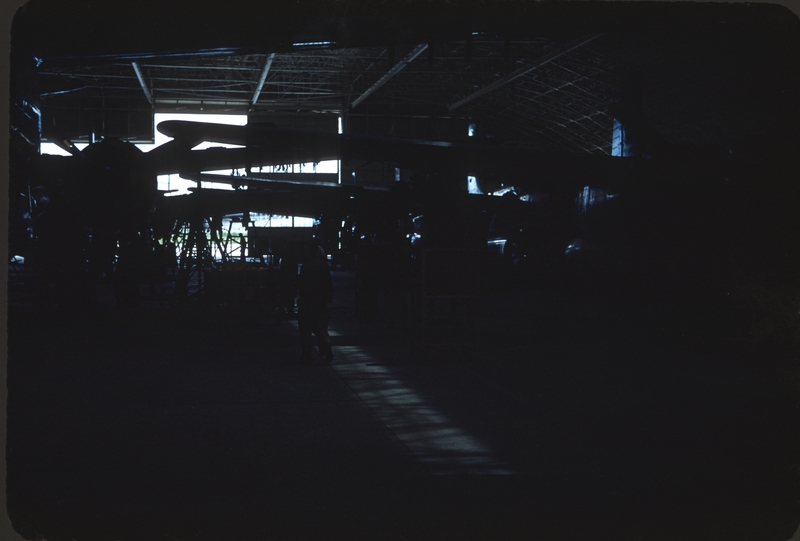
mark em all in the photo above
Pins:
pixel 443 448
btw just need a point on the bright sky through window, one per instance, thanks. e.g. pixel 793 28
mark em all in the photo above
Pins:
pixel 174 183
pixel 179 186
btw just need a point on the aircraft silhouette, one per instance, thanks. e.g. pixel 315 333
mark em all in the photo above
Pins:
pixel 87 207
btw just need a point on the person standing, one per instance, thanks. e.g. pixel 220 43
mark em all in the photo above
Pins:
pixel 315 291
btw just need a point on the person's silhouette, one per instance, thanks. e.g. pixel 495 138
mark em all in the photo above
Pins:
pixel 315 291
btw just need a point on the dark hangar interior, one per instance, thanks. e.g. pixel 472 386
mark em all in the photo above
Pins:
pixel 563 242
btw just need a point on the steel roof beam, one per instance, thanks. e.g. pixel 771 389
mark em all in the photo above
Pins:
pixel 142 83
pixel 263 78
pixel 546 59
pixel 418 50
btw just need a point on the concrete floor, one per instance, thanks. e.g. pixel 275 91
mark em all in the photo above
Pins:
pixel 559 424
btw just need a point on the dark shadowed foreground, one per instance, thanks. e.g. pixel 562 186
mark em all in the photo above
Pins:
pixel 570 420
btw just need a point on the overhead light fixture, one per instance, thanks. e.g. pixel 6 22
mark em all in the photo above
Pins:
pixel 313 44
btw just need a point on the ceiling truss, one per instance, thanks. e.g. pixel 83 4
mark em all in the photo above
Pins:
pixel 549 94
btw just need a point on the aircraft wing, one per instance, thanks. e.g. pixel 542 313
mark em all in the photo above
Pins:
pixel 294 198
pixel 265 145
